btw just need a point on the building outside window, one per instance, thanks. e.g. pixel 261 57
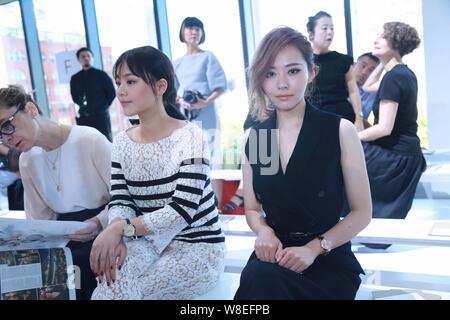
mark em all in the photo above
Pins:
pixel 60 28
pixel 14 68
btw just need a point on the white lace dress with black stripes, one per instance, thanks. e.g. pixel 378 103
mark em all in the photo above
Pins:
pixel 168 182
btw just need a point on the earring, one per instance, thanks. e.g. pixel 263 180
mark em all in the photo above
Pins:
pixel 271 106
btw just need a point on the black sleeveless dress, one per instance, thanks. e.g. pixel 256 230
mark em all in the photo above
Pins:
pixel 300 204
pixel 329 90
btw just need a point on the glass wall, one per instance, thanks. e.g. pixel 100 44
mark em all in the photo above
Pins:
pixel 14 67
pixel 118 33
pixel 123 25
pixel 60 29
pixel 225 41
pixel 367 22
pixel 268 14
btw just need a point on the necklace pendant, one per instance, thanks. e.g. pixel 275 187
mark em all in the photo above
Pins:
pixel 58 189
pixel 54 167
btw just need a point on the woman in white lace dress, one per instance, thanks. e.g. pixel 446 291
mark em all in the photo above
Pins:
pixel 164 239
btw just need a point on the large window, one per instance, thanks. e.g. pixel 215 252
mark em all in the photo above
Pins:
pixel 225 41
pixel 119 32
pixel 367 22
pixel 60 28
pixel 14 67
pixel 268 14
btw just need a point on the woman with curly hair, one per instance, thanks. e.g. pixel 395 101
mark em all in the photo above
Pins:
pixel 392 148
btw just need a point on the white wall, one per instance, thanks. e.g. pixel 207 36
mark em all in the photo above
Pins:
pixel 436 30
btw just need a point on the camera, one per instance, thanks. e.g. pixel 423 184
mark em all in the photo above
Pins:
pixel 191 97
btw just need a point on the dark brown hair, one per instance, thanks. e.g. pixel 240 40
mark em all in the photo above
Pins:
pixel 312 21
pixel 15 96
pixel 265 55
pixel 79 51
pixel 151 65
pixel 401 37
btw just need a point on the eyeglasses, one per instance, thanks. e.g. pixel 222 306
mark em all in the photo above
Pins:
pixel 7 128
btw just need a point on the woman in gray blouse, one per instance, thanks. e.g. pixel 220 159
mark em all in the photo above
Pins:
pixel 201 80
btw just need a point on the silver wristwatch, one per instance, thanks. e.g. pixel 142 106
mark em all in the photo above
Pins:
pixel 325 244
pixel 129 230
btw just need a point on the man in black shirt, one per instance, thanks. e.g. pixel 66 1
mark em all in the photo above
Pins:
pixel 93 91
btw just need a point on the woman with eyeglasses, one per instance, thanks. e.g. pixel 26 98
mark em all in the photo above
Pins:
pixel 65 171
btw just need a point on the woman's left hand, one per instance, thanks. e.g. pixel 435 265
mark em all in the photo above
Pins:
pixel 201 103
pixel 297 259
pixel 88 233
pixel 107 247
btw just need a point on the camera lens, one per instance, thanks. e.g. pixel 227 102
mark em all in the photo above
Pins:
pixel 190 97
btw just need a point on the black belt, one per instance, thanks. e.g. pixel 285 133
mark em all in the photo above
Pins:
pixel 294 236
pixel 81 215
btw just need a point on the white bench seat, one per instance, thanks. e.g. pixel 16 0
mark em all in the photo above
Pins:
pixel 398 231
pixel 434 173
pixel 229 283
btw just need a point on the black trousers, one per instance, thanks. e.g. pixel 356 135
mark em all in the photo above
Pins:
pixel 269 281
pixel 81 252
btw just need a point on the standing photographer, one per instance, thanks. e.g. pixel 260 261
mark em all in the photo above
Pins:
pixel 201 81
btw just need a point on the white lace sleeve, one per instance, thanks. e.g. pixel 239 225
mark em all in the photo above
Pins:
pixel 164 224
pixel 121 204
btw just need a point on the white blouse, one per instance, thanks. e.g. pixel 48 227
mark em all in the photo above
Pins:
pixel 81 168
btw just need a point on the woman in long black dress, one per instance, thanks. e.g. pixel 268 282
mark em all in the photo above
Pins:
pixel 335 83
pixel 296 165
pixel 392 149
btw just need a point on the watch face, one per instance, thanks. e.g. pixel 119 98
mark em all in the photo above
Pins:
pixel 128 230
pixel 326 245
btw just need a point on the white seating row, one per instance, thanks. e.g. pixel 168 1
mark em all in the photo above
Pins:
pixel 398 231
pixel 240 240
pixel 435 173
pixel 229 283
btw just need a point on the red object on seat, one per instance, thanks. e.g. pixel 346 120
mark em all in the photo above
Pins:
pixel 229 189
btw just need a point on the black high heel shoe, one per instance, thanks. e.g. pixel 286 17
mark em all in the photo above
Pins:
pixel 231 205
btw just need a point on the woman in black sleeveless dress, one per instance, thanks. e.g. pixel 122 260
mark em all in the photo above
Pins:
pixel 392 148
pixel 296 165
